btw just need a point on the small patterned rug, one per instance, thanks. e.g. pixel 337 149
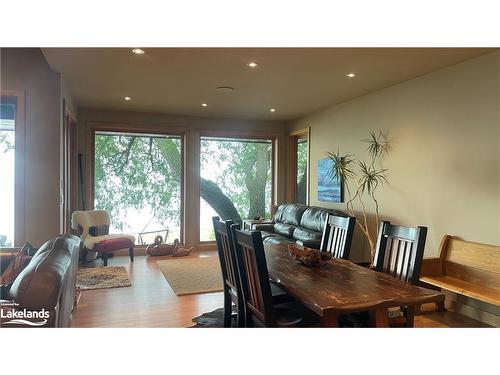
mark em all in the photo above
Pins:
pixel 102 278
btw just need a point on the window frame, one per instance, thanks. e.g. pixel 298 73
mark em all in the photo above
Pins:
pixel 19 160
pixel 140 131
pixel 236 134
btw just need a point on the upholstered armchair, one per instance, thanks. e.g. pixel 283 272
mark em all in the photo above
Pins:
pixel 94 228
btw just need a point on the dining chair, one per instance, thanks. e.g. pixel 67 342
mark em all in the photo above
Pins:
pixel 260 309
pixel 337 235
pixel 230 274
pixel 399 252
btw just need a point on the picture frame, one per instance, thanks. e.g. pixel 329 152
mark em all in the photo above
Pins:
pixel 329 189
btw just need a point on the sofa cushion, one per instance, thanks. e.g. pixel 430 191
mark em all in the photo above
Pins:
pixel 290 214
pixel 285 230
pixel 304 234
pixel 314 218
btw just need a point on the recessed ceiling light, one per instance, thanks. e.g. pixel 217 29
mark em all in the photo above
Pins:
pixel 350 75
pixel 127 98
pixel 138 51
pixel 272 110
pixel 252 64
pixel 204 104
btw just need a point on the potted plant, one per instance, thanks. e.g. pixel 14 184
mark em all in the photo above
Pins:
pixel 362 180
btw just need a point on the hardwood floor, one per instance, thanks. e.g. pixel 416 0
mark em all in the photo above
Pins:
pixel 151 302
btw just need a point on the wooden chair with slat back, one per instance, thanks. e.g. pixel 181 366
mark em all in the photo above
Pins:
pixel 258 300
pixel 399 253
pixel 229 268
pixel 337 235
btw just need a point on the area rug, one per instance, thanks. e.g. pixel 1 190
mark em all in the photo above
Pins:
pixel 212 319
pixel 192 275
pixel 102 278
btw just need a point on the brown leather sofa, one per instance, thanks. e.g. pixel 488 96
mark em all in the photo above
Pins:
pixel 45 289
pixel 297 222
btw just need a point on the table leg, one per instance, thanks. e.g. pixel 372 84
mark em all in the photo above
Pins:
pixel 378 318
pixel 330 320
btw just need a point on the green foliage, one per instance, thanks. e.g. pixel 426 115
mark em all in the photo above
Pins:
pixel 141 171
pixel 6 141
pixel 301 160
pixel 242 171
pixel 130 172
pixel 367 178
pixel 370 177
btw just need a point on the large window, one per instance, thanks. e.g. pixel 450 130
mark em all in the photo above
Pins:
pixel 236 180
pixel 7 168
pixel 138 180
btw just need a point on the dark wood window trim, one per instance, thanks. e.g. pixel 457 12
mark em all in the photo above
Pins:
pixel 139 130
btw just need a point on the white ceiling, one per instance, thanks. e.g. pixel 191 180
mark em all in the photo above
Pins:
pixel 295 81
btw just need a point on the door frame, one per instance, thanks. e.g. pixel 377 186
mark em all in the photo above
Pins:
pixel 293 138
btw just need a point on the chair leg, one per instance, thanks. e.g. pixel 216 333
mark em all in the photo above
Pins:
pixel 105 259
pixel 409 313
pixel 227 309
pixel 131 253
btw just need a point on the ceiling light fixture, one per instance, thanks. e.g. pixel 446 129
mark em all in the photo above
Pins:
pixel 252 64
pixel 272 110
pixel 225 89
pixel 127 98
pixel 138 51
pixel 350 75
pixel 204 104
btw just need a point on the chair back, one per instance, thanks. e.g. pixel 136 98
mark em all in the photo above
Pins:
pixel 255 283
pixel 400 251
pixel 337 235
pixel 84 220
pixel 227 257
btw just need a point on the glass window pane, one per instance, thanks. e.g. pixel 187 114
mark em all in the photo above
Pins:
pixel 7 168
pixel 235 180
pixel 138 181
pixel 301 168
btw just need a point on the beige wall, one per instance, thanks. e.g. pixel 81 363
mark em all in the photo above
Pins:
pixel 193 126
pixel 25 70
pixel 444 166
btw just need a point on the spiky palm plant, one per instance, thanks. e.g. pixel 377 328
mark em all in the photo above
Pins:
pixel 367 178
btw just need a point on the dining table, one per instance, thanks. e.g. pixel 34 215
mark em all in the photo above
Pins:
pixel 340 286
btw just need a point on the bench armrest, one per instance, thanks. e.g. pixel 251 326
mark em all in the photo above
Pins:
pixel 431 267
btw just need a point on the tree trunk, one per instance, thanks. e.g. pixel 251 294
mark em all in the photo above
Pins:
pixel 256 184
pixel 209 191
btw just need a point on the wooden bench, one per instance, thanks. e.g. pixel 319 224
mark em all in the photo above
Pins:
pixel 465 268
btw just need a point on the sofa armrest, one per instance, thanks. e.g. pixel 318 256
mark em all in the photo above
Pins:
pixel 264 227
pixel 312 244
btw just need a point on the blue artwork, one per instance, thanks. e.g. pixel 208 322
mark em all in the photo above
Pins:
pixel 329 189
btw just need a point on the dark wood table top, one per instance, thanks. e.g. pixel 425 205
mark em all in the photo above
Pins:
pixel 341 286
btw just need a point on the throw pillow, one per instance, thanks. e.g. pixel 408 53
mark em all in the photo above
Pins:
pixel 18 263
pixel 98 230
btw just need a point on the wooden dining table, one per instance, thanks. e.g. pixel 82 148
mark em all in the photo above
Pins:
pixel 340 286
